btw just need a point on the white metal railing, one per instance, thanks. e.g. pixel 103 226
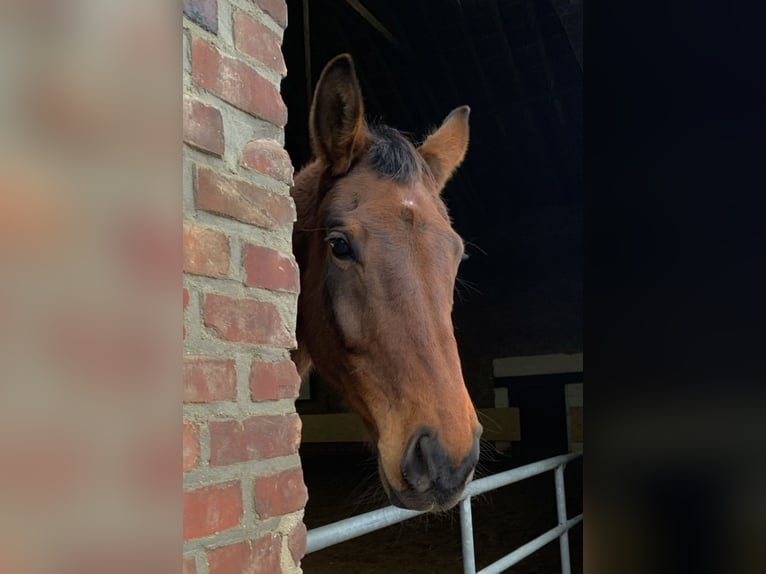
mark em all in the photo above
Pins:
pixel 349 528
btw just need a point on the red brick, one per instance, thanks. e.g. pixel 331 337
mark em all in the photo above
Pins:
pixel 189 566
pixel 236 83
pixel 269 158
pixel 191 445
pixel 206 252
pixel 254 438
pixel 260 556
pixel 280 493
pixel 203 12
pixel 255 40
pixel 208 379
pixel 203 127
pixel 296 542
pixel 212 509
pixel 266 268
pixel 277 9
pixel 272 381
pixel 243 201
pixel 246 321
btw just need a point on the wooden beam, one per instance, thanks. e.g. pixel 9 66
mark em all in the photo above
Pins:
pixel 373 21
pixel 499 425
pixel 538 365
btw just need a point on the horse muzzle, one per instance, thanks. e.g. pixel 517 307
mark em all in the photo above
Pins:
pixel 431 481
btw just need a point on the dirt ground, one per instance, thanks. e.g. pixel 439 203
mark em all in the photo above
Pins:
pixel 342 484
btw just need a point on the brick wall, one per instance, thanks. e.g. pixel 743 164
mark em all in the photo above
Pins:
pixel 243 486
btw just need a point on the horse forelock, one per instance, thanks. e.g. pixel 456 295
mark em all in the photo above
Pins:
pixel 393 156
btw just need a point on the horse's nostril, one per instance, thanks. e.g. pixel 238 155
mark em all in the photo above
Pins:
pixel 415 462
pixel 426 465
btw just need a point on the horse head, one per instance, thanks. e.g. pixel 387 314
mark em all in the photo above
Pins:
pixel 378 260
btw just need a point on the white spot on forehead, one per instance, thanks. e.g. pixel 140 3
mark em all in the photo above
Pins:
pixel 409 198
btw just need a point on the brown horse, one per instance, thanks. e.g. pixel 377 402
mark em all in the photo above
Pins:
pixel 378 260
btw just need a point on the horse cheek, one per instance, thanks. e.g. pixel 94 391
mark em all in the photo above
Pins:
pixel 348 318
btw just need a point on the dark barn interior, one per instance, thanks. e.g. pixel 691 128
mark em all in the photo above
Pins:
pixel 517 201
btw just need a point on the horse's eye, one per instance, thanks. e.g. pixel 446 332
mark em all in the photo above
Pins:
pixel 340 248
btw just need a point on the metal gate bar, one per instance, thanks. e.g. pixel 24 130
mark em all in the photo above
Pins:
pixel 561 511
pixel 530 548
pixel 509 477
pixel 349 528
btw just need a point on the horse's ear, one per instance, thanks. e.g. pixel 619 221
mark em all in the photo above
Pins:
pixel 336 125
pixel 445 148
